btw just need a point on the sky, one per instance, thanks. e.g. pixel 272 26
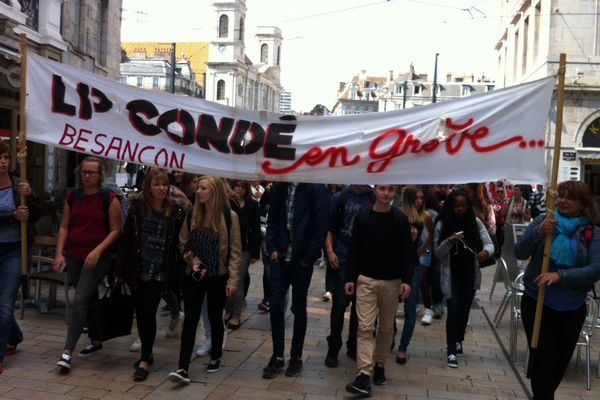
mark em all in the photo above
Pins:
pixel 329 41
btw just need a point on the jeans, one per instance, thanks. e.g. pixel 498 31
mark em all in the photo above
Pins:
pixel 459 307
pixel 193 295
pixel 86 291
pixel 339 302
pixel 266 279
pixel 234 304
pixel 10 278
pixel 559 333
pixel 147 299
pixel 410 311
pixel 284 274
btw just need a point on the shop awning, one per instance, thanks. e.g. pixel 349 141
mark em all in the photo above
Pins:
pixel 588 153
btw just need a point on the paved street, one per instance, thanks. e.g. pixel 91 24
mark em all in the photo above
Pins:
pixel 483 373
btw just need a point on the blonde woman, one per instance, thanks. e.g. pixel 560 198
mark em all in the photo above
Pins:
pixel 211 246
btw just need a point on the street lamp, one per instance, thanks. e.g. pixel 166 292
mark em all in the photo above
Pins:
pixel 434 96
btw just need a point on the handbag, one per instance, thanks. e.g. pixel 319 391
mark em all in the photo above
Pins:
pixel 491 260
pixel 111 316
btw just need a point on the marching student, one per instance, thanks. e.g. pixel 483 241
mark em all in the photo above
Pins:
pixel 381 262
pixel 461 241
pixel 211 246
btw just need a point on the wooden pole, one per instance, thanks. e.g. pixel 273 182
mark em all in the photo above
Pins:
pixel 22 149
pixel 560 97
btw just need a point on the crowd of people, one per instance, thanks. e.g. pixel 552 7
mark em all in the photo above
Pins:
pixel 191 239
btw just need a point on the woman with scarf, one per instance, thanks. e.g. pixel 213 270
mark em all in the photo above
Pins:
pixel 574 267
pixel 461 241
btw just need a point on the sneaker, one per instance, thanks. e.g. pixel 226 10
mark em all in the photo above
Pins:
pixel 204 349
pixel 180 376
pixel 427 317
pixel 438 311
pixel 327 296
pixel 174 326
pixel 264 306
pixel 90 349
pixel 331 360
pixel 274 367
pixel 361 385
pixel 379 374
pixel 136 345
pixel 459 349
pixel 64 361
pixel 452 361
pixel 213 366
pixel 294 368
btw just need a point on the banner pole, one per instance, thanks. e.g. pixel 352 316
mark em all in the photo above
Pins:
pixel 560 96
pixel 22 149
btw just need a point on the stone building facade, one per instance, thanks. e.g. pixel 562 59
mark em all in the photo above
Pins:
pixel 534 33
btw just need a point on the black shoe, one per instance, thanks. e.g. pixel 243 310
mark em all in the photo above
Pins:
pixel 452 361
pixel 294 368
pixel 150 362
pixel 351 353
pixel 274 367
pixel 213 366
pixel 379 374
pixel 361 385
pixel 90 349
pixel 140 374
pixel 65 362
pixel 180 376
pixel 331 360
pixel 400 360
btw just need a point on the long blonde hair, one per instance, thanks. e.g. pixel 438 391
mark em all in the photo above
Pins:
pixel 209 215
pixel 160 175
pixel 409 197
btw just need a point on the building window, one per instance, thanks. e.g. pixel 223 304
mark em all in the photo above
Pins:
pixel 278 54
pixel 466 90
pixel 123 79
pixel 241 33
pixel 489 88
pixel 399 88
pixel 223 26
pixel 417 89
pixel 140 81
pixel 221 89
pixel 264 53
pixel 102 48
pixel 155 81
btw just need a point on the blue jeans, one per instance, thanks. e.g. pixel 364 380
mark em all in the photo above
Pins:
pixel 284 274
pixel 410 311
pixel 10 278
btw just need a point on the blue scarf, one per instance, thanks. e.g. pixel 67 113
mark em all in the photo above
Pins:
pixel 566 228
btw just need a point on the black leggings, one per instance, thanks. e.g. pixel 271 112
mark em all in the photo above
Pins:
pixel 147 299
pixel 459 307
pixel 559 333
pixel 193 295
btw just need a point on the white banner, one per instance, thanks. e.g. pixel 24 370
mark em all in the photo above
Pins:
pixel 499 134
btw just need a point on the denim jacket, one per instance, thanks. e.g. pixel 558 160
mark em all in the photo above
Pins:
pixel 587 265
pixel 32 204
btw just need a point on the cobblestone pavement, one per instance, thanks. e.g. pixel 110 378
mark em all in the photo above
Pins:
pixel 484 372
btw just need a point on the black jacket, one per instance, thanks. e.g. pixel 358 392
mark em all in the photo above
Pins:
pixel 129 255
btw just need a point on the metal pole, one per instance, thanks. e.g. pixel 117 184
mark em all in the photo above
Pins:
pixel 404 89
pixel 434 96
pixel 173 60
pixel 560 96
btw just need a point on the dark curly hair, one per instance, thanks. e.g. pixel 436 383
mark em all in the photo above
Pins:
pixel 451 223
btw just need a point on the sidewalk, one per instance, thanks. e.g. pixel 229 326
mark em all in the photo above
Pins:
pixel 483 373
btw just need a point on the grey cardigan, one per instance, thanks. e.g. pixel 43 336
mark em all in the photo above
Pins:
pixel 442 251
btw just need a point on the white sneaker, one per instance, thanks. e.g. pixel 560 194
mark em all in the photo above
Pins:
pixel 204 349
pixel 427 317
pixel 174 325
pixel 136 345
pixel 327 296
